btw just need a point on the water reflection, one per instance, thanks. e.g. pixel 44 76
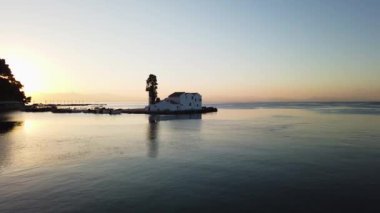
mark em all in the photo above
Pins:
pixel 6 125
pixel 153 129
pixel 157 118
pixel 152 136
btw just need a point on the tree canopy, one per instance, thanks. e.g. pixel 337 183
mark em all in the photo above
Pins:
pixel 10 88
pixel 151 87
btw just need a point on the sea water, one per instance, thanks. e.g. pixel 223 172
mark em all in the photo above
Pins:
pixel 263 157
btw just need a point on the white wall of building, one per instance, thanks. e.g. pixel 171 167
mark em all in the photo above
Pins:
pixel 190 101
pixel 180 102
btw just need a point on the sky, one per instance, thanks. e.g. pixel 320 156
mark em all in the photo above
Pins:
pixel 228 51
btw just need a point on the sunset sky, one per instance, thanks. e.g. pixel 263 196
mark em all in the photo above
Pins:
pixel 258 50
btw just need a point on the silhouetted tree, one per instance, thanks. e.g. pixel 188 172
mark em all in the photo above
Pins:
pixel 151 87
pixel 10 88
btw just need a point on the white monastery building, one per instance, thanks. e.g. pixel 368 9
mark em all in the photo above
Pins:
pixel 178 101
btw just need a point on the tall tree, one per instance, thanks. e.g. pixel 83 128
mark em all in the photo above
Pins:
pixel 151 87
pixel 10 88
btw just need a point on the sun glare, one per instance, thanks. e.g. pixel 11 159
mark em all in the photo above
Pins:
pixel 28 73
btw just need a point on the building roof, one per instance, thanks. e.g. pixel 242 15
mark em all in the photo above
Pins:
pixel 176 94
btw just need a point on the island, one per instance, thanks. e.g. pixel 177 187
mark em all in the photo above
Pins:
pixel 176 103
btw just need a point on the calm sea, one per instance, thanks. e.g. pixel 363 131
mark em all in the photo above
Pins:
pixel 263 157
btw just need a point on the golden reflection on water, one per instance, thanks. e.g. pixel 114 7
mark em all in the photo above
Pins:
pixel 31 126
pixel 25 148
pixel 5 142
